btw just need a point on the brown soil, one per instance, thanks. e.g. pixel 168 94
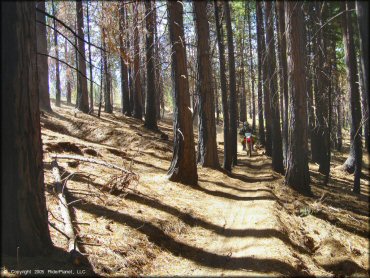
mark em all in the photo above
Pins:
pixel 246 223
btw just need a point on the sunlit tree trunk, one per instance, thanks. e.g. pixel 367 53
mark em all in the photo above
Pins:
pixel 297 174
pixel 183 166
pixel 253 107
pixel 354 95
pixel 207 145
pixel 259 23
pixel 225 108
pixel 138 108
pixel 284 78
pixel 90 61
pixel 125 94
pixel 277 152
pixel 362 10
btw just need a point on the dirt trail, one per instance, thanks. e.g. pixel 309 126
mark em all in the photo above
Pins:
pixel 240 223
pixel 247 238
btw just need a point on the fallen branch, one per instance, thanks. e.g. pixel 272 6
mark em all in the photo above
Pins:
pixel 64 211
pixel 91 160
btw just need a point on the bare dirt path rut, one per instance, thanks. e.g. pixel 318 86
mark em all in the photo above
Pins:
pixel 249 239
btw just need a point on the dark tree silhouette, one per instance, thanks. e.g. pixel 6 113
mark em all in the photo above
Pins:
pixel 232 86
pixel 183 166
pixel 83 99
pixel 150 107
pixel 24 221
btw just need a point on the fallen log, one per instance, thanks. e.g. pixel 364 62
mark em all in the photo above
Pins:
pixel 91 160
pixel 73 249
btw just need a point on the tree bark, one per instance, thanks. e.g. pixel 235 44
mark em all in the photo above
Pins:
pixel 232 85
pixel 83 102
pixel 362 10
pixel 284 77
pixel 138 108
pixel 25 220
pixel 354 95
pixel 277 152
pixel 225 108
pixel 207 145
pixel 183 166
pixel 266 89
pixel 253 108
pixel 297 174
pixel 42 61
pixel 151 94
pixel 68 75
pixel 90 61
pixel 259 23
pixel 57 73
pixel 125 94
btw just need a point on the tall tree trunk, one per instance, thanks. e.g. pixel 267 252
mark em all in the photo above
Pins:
pixel 354 94
pixel 125 94
pixel 150 107
pixel 253 108
pixel 158 84
pixel 232 85
pixel 266 89
pixel 243 99
pixel 225 108
pixel 259 23
pixel 57 73
pixel 68 74
pixel 138 108
pixel 25 220
pixel 311 63
pixel 107 89
pixel 183 166
pixel 83 103
pixel 277 152
pixel 362 10
pixel 284 77
pixel 90 61
pixel 322 99
pixel 42 60
pixel 207 145
pixel 297 174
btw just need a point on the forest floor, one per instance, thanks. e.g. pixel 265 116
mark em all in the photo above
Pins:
pixel 242 223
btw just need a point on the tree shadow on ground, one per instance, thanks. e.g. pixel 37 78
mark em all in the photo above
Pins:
pixel 198 255
pixel 230 196
pixel 247 179
pixel 345 268
pixel 192 221
pixel 224 185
